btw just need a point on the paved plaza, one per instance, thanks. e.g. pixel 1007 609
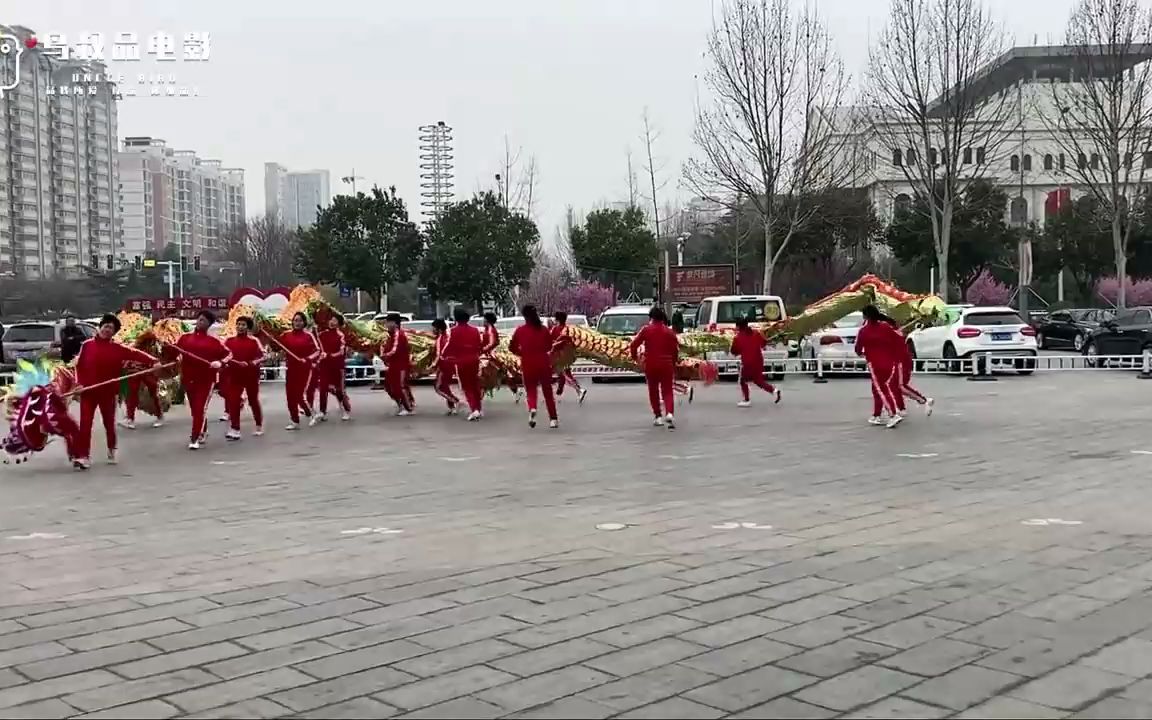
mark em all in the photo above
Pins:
pixel 994 560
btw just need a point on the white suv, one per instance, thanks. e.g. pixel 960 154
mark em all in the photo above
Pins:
pixel 721 313
pixel 967 331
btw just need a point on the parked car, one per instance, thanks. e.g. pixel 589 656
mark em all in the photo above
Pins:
pixel 721 313
pixel 1069 327
pixel 1129 333
pixel 976 330
pixel 834 346
pixel 31 340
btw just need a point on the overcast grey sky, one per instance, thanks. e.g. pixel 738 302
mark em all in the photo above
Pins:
pixel 343 84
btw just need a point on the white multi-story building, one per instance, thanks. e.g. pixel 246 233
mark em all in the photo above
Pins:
pixel 1025 158
pixel 58 174
pixel 294 198
pixel 173 197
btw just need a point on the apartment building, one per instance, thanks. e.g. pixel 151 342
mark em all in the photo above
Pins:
pixel 175 198
pixel 293 198
pixel 58 174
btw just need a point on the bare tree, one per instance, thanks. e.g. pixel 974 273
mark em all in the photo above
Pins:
pixel 632 184
pixel 939 114
pixel 529 183
pixel 649 138
pixel 1102 117
pixel 262 250
pixel 764 136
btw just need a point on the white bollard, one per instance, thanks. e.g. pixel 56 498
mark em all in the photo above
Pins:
pixel 985 375
pixel 819 379
pixel 1146 365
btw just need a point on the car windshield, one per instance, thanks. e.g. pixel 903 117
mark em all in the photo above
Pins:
pixel 419 326
pixel 849 321
pixel 729 311
pixel 621 324
pixel 988 319
pixel 30 334
pixel 578 320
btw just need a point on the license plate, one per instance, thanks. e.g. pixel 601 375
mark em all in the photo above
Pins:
pixel 1001 336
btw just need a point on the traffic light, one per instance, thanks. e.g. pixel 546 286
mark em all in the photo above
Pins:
pixel 94 261
pixel 111 262
pixel 183 263
pixel 196 263
pixel 137 262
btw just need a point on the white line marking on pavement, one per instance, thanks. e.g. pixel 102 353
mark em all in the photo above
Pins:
pixel 1050 521
pixel 368 530
pixel 611 526
pixel 917 456
pixel 741 525
pixel 227 462
pixel 469 458
pixel 682 457
pixel 1142 452
pixel 38 536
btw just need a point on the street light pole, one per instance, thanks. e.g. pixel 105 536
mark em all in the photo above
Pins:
pixel 351 180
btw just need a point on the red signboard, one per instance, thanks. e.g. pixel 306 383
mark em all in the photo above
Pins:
pixel 181 307
pixel 692 283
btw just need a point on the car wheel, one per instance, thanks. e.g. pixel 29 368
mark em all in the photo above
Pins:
pixel 1090 354
pixel 1078 342
pixel 951 360
pixel 1041 341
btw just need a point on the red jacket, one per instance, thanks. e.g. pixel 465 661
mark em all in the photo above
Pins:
pixel 443 364
pixel 206 349
pixel 100 360
pixel 395 352
pixel 748 345
pixel 245 349
pixel 560 337
pixel 301 344
pixel 491 339
pixel 533 345
pixel 880 344
pixel 661 347
pixel 333 347
pixel 464 345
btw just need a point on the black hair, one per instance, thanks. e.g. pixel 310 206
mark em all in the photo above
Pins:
pixel 207 315
pixel 339 319
pixel 249 323
pixel 490 317
pixel 531 316
pixel 111 319
pixel 439 324
pixel 741 322
pixel 872 313
pixel 302 316
pixel 658 315
pixel 461 315
pixel 560 316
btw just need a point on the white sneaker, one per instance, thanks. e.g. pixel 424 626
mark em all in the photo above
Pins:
pixel 658 422
pixel 314 421
pixel 223 418
pixel 531 418
pixel 81 463
pixel 777 395
pixel 928 405
pixel 877 420
pixel 744 403
pixel 516 395
pixel 403 413
pixel 581 394
pixel 194 445
pixel 345 416
pixel 112 459
pixel 127 424
pixel 232 435
pixel 670 421
pixel 159 423
pixel 553 424
pixel 895 420
pixel 292 426
pixel 258 431
pixel 323 417
pixel 473 416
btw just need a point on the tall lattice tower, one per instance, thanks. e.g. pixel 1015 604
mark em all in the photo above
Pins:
pixel 436 166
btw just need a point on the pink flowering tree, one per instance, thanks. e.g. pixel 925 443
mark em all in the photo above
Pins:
pixel 546 287
pixel 1135 293
pixel 987 290
pixel 587 298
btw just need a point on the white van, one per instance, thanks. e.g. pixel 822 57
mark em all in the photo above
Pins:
pixel 721 312
pixel 622 321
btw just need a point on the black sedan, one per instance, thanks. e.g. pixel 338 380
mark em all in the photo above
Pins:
pixel 1126 334
pixel 1063 328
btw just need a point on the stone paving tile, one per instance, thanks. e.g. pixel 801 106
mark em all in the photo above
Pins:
pixel 566 708
pixel 648 687
pixel 463 708
pixel 43 709
pixel 753 687
pixel 856 688
pixel 673 708
pixel 821 631
pixel 739 657
pixel 963 687
pixel 542 689
pixel 785 708
pixel 447 686
pixel 254 708
pixel 1072 687
pixel 542 660
pixel 935 657
pixel 244 688
pixel 898 707
pixel 1131 657
pixel 362 707
pixel 1008 707
pixel 837 657
pixel 146 710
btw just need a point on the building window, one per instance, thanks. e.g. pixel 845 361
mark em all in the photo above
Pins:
pixel 932 157
pixel 903 203
pixel 979 156
pixel 910 156
pixel 1094 161
pixel 1147 158
pixel 1014 163
pixel 1026 163
pixel 967 156
pixel 1081 161
pixel 1048 161
pixel 1127 160
pixel 1018 211
pixel 1062 164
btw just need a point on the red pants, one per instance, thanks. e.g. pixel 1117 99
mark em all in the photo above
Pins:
pixel 89 402
pixel 753 376
pixel 906 385
pixel 660 379
pixel 198 393
pixel 236 388
pixel 887 389
pixel 469 375
pixel 132 402
pixel 297 379
pixel 539 378
pixel 330 379
pixel 396 383
pixel 443 384
pixel 567 378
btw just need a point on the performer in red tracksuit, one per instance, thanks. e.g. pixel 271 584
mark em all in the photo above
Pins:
pixel 490 339
pixel 445 371
pixel 201 357
pixel 532 343
pixel 561 340
pixel 302 352
pixel 101 359
pixel 463 350
pixel 906 367
pixel 132 401
pixel 242 377
pixel 748 345
pixel 331 370
pixel 883 347
pixel 396 355
pixel 661 350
